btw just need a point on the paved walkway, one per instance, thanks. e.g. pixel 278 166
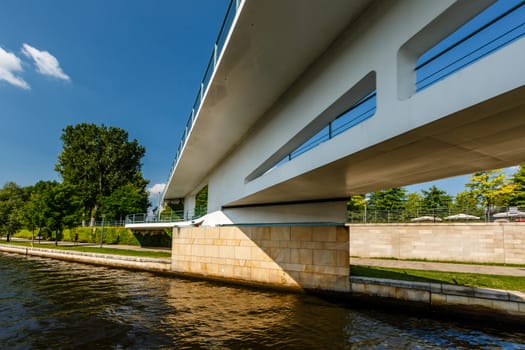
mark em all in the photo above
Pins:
pixel 436 266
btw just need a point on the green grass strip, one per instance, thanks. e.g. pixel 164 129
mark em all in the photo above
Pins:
pixel 456 278
pixel 445 261
pixel 95 249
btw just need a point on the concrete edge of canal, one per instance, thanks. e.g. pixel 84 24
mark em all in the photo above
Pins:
pixel 130 262
pixel 503 304
pixel 493 303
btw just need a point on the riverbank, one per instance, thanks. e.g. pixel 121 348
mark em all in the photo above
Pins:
pixel 435 296
pixel 113 260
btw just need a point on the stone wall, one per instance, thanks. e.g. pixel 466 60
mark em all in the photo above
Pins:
pixel 491 302
pixel 129 262
pixel 293 257
pixel 480 242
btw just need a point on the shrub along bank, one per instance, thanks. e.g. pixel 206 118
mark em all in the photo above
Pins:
pixel 112 235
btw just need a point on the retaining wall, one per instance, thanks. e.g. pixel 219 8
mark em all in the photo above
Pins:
pixel 292 257
pixel 438 295
pixel 491 242
pixel 137 263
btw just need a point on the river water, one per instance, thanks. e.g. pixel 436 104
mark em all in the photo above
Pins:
pixel 51 304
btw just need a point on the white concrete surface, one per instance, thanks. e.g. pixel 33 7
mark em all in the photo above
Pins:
pixel 290 66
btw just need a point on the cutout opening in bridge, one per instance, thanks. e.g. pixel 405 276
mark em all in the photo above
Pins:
pixel 495 27
pixel 355 106
pixel 461 35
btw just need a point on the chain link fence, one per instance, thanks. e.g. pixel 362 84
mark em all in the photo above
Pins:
pixel 371 215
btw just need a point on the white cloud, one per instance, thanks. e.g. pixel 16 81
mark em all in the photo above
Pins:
pixel 156 189
pixel 46 63
pixel 9 65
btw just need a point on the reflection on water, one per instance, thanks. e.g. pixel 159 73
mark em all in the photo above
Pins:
pixel 54 304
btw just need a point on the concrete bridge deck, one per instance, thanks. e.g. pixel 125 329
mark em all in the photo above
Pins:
pixel 288 70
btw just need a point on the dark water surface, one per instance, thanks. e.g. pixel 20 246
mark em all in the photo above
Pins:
pixel 50 304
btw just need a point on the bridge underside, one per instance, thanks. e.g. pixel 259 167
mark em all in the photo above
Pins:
pixel 289 71
pixel 257 110
pixel 485 136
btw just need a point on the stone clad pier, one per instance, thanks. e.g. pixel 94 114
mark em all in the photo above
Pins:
pixel 283 256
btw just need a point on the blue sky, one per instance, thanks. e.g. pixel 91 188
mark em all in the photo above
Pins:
pixel 132 64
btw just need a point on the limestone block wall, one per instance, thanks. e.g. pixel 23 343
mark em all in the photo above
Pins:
pixel 296 257
pixel 514 243
pixel 480 242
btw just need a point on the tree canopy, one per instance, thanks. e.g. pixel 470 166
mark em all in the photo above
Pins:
pixel 436 198
pixel 491 188
pixel 12 198
pixel 414 203
pixel 97 161
pixel 126 199
pixel 52 207
pixel 467 203
pixel 517 197
pixel 356 202
pixel 390 199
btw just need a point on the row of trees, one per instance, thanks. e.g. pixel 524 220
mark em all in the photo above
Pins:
pixel 485 192
pixel 101 172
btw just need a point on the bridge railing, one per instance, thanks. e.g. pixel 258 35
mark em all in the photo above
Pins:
pixel 435 215
pixel 497 26
pixel 224 30
pixel 359 112
pixel 167 216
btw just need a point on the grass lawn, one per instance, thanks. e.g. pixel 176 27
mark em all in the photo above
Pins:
pixel 96 249
pixel 449 261
pixel 457 278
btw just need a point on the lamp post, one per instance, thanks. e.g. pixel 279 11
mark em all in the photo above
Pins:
pixel 102 232
pixel 158 208
pixel 366 201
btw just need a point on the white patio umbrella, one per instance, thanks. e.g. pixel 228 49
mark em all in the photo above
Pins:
pixel 462 216
pixel 509 214
pixel 426 218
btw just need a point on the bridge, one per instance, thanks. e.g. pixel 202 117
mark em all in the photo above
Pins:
pixel 304 104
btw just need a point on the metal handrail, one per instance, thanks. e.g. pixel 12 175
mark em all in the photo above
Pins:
pixel 454 64
pixel 464 39
pixel 372 215
pixel 171 216
pixel 329 131
pixel 224 30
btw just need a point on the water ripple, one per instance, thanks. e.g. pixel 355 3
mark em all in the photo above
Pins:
pixel 53 304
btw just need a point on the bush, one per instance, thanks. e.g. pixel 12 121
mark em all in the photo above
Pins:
pixel 112 235
pixel 25 234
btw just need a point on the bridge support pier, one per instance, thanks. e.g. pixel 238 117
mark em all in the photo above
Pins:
pixel 284 256
pixel 189 207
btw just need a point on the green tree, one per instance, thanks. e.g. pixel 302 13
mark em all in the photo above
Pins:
pixel 62 206
pixel 125 200
pixel 387 205
pixel 414 203
pixel 52 207
pixel 466 202
pixel 12 198
pixel 97 160
pixel 355 208
pixel 35 210
pixel 390 199
pixel 517 198
pixel 356 203
pixel 201 202
pixel 435 198
pixel 491 188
